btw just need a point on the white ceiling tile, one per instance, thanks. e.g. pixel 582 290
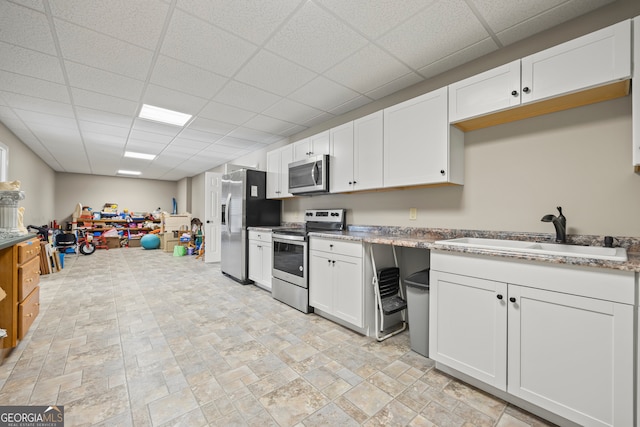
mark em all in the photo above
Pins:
pixel 198 135
pixel 211 126
pixel 103 129
pixel 374 18
pixel 252 20
pixel 101 81
pixel 17 83
pixel 292 130
pixel 253 135
pixel 94 138
pixel 220 149
pixel 33 4
pixel 172 153
pixel 323 94
pixel 189 143
pixel 458 58
pixel 25 27
pixel 196 42
pixel 96 116
pixel 321 118
pixel 180 76
pixel 147 147
pixel 98 101
pixel 155 127
pixel 40 105
pixel 246 97
pixel 173 100
pixel 394 86
pixel 235 142
pixel 139 22
pixel 274 74
pixel 349 72
pixel 151 137
pixel 7 113
pixel 30 63
pixel 293 111
pixel 350 105
pixel 107 53
pixel 545 20
pixel 32 117
pixel 315 39
pixel 225 113
pixel 268 124
pixel 436 32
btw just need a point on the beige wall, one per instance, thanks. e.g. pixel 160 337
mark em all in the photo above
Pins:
pixel 135 194
pixel 35 176
pixel 515 173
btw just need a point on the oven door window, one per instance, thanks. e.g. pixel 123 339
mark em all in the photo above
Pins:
pixel 289 257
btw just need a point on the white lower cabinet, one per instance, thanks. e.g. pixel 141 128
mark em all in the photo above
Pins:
pixel 336 281
pixel 260 258
pixel 542 334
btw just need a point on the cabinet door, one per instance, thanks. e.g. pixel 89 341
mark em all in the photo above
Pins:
pixel 320 144
pixel 255 261
pixel 348 299
pixel 320 281
pixel 267 255
pixel 572 355
pixel 273 174
pixel 341 164
pixel 286 157
pixel 416 141
pixel 484 93
pixel 468 326
pixel 368 151
pixel 594 59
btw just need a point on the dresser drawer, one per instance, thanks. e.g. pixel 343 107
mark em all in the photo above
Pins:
pixel 341 247
pixel 28 277
pixel 28 311
pixel 28 250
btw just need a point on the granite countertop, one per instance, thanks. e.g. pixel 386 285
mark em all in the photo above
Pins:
pixel 10 240
pixel 426 239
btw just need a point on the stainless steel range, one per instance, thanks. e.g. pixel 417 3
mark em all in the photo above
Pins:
pixel 291 255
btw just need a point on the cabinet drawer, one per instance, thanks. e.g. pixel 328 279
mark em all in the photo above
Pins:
pixel 28 278
pixel 337 247
pixel 28 311
pixel 260 236
pixel 28 250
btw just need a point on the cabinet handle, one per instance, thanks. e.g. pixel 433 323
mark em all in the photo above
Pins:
pixel 333 262
pixel 512 299
pixel 526 89
pixel 514 93
pixel 355 182
pixel 499 296
pixel 350 182
pixel 441 171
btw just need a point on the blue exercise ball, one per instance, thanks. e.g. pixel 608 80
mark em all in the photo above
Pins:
pixel 150 241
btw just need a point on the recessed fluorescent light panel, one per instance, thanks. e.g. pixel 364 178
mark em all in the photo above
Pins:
pixel 124 172
pixel 135 155
pixel 163 115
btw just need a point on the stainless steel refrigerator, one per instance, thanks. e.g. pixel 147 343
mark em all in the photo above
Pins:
pixel 244 204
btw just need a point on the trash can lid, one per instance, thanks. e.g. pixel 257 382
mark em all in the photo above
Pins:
pixel 419 279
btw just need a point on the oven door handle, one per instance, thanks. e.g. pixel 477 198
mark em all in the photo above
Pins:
pixel 286 238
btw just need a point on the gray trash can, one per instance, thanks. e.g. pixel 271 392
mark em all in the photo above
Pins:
pixel 418 308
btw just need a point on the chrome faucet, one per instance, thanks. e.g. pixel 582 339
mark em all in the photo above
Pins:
pixel 560 223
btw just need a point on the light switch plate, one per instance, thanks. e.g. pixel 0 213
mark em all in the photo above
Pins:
pixel 413 213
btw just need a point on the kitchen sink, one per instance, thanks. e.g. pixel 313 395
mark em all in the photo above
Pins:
pixel 595 252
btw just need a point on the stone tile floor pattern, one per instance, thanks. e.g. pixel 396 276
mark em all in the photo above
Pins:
pixel 132 337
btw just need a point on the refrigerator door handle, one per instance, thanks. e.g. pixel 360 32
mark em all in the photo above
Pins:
pixel 226 212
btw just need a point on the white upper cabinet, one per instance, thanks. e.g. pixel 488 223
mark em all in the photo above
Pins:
pixel 356 154
pixel 597 58
pixel 315 145
pixel 589 69
pixel 420 147
pixel 635 95
pixel 492 90
pixel 278 172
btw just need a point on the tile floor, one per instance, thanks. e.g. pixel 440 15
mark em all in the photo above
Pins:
pixel 131 337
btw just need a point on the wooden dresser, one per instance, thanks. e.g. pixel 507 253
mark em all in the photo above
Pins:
pixel 19 279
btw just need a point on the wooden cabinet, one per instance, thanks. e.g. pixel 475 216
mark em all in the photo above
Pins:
pixel 19 279
pixel 278 172
pixel 537 332
pixel 357 154
pixel 260 258
pixel 420 148
pixel 315 145
pixel 336 282
pixel 589 69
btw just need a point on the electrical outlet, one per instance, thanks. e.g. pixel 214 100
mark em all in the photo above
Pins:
pixel 413 213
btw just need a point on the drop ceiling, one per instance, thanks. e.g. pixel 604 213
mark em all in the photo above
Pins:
pixel 75 73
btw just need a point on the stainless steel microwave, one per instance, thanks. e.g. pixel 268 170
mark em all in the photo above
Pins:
pixel 309 176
